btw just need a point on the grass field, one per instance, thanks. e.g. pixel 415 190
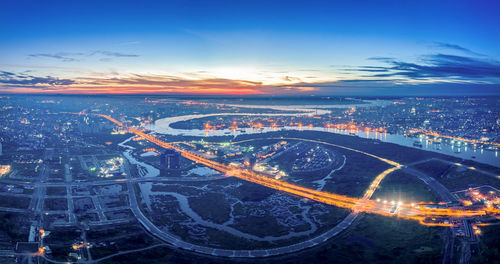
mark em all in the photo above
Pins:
pixel 489 247
pixel 401 186
pixel 456 177
pixel 211 206
pixel 55 204
pixel 434 168
pixel 376 239
pixel 371 239
pixel 14 202
pixel 56 190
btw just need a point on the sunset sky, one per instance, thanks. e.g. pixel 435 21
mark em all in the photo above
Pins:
pixel 251 47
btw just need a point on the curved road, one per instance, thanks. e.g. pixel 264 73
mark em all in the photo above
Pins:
pixel 178 243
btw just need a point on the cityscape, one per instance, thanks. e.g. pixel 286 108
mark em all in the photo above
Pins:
pixel 189 132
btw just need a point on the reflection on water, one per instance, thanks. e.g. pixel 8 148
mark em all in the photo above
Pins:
pixel 456 149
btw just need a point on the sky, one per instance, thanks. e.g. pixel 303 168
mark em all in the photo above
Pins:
pixel 361 48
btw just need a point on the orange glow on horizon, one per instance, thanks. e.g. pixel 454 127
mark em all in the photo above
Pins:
pixel 121 91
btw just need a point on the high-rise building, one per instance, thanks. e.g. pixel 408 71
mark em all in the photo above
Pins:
pixel 170 163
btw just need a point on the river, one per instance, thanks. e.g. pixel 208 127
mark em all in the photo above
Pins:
pixel 463 151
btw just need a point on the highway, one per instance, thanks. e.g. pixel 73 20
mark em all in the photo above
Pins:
pixel 263 180
pixel 357 205
pixel 408 211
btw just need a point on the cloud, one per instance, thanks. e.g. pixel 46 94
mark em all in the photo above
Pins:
pixel 381 87
pixel 112 54
pixel 62 56
pixel 433 66
pixel 5 74
pixel 291 79
pixel 76 56
pixel 450 46
pixel 142 84
pixel 396 81
pixel 380 58
pixel 133 83
pixel 367 69
pixel 29 80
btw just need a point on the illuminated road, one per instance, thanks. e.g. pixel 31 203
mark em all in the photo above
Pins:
pixel 357 205
pixel 413 211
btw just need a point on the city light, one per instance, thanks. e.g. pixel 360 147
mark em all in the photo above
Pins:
pixel 249 131
pixel 357 205
pixel 4 170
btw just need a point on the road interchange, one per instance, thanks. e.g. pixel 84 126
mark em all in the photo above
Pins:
pixel 415 211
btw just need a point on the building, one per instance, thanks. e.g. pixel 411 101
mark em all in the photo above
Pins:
pixel 170 163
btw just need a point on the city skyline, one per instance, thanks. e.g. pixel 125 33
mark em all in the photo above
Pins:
pixel 251 48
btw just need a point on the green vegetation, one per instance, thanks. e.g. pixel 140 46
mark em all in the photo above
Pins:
pixel 55 204
pixel 14 202
pixel 489 247
pixel 401 186
pixel 28 190
pixel 371 239
pixel 59 252
pixel 223 239
pixel 434 168
pixel 67 236
pixel 60 241
pixel 211 206
pixel 127 242
pixel 252 192
pixel 88 217
pixel 356 175
pixel 56 190
pixel 376 239
pixel 162 255
pixel 481 166
pixel 112 232
pixel 260 225
pixel 461 178
pixel 10 223
pixel 456 177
